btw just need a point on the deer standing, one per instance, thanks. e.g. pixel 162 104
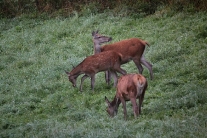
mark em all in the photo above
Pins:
pixel 129 87
pixel 131 49
pixel 109 60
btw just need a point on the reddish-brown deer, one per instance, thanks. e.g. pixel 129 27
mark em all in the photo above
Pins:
pixel 129 87
pixel 131 49
pixel 109 60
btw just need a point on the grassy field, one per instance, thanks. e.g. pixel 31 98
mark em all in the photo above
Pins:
pixel 37 100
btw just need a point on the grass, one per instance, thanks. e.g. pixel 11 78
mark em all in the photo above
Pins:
pixel 36 99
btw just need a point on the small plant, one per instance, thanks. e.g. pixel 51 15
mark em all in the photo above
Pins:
pixel 203 32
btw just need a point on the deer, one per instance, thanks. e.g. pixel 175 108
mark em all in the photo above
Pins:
pixel 129 87
pixel 109 60
pixel 131 49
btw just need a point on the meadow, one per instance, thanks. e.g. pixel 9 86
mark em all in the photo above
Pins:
pixel 37 100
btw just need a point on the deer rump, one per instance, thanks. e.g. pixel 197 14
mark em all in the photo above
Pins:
pixel 130 86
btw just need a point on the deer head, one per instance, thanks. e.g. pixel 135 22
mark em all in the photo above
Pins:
pixel 71 78
pixel 100 39
pixel 112 108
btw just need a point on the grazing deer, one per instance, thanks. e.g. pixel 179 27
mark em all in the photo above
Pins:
pixel 129 87
pixel 131 49
pixel 109 60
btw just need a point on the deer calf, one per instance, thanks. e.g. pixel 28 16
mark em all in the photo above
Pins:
pixel 129 87
pixel 131 49
pixel 91 65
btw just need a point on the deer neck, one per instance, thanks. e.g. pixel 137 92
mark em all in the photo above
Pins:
pixel 97 48
pixel 116 102
pixel 76 71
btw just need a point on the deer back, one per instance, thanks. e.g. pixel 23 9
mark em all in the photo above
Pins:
pixel 129 48
pixel 99 62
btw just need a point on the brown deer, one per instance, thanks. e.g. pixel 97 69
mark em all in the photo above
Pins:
pixel 109 60
pixel 129 87
pixel 131 49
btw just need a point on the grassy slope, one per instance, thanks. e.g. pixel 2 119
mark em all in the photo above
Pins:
pixel 36 99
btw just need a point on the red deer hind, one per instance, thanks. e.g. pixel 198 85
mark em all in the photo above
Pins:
pixel 109 60
pixel 131 49
pixel 129 87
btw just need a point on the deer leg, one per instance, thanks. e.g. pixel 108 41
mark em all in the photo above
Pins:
pixel 120 70
pixel 115 76
pixel 141 98
pixel 139 66
pixel 82 79
pixel 124 107
pixel 135 107
pixel 92 82
pixel 148 65
pixel 108 76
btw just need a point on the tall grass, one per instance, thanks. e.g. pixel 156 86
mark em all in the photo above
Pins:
pixel 38 101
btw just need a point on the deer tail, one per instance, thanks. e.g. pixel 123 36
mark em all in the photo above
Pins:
pixel 145 43
pixel 140 87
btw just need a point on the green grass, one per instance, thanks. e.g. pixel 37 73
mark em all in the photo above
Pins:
pixel 37 100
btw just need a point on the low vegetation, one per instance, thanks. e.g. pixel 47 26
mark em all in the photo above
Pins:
pixel 12 8
pixel 37 100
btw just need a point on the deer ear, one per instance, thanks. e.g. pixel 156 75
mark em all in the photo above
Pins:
pixel 73 66
pixel 107 101
pixel 97 31
pixel 93 33
pixel 117 99
pixel 67 72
